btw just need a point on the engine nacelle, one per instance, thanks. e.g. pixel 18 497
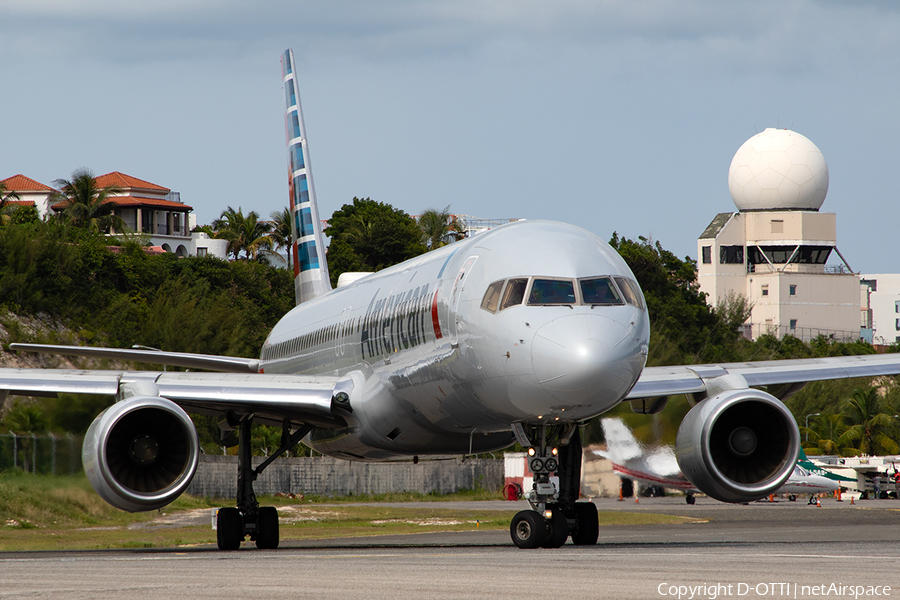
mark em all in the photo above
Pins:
pixel 141 453
pixel 738 446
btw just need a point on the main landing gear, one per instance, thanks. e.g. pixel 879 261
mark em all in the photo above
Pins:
pixel 555 514
pixel 249 518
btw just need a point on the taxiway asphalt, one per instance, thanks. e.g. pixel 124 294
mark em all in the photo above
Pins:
pixel 760 550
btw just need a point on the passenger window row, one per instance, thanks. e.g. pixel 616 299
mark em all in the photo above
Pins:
pixel 546 291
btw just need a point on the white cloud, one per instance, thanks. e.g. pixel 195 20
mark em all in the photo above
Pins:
pixel 488 105
pixel 766 31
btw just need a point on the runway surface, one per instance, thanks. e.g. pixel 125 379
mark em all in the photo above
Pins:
pixel 761 550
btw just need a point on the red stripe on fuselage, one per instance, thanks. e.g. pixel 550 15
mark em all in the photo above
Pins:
pixel 434 317
pixel 680 484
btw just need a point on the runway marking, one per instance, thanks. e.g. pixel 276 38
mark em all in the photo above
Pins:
pixel 744 555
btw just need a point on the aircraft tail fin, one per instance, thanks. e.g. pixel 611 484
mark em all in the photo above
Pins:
pixel 311 277
pixel 620 441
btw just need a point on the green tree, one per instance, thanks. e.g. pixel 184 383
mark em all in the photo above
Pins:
pixel 871 425
pixel 86 205
pixel 245 233
pixel 369 236
pixel 6 205
pixel 828 435
pixel 25 418
pixel 281 233
pixel 684 328
pixel 22 214
pixel 439 228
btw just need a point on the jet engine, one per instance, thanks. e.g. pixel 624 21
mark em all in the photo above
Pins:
pixel 141 453
pixel 738 446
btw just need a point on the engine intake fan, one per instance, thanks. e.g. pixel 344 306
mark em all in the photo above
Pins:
pixel 738 446
pixel 140 454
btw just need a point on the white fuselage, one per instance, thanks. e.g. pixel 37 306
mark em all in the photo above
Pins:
pixel 437 364
pixel 802 481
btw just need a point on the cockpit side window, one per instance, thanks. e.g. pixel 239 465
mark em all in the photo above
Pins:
pixel 631 291
pixel 492 296
pixel 514 293
pixel 599 291
pixel 552 291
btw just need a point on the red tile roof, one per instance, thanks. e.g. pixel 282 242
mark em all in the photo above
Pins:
pixel 156 202
pixel 122 201
pixel 20 183
pixel 123 181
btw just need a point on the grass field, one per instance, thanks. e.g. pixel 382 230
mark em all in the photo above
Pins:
pixel 64 513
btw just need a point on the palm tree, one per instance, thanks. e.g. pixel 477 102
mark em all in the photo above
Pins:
pixel 871 423
pixel 86 205
pixel 26 419
pixel 281 231
pixel 439 228
pixel 5 208
pixel 244 233
pixel 828 435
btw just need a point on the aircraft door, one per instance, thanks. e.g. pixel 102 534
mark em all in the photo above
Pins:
pixel 340 340
pixel 458 285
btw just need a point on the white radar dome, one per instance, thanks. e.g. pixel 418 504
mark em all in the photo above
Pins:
pixel 778 169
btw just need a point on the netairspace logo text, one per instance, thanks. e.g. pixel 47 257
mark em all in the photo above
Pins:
pixel 770 590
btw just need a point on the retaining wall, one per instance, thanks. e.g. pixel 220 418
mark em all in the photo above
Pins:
pixel 217 476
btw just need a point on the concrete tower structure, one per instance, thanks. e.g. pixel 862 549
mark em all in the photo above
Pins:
pixel 775 250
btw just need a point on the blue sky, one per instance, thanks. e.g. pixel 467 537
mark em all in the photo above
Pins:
pixel 619 115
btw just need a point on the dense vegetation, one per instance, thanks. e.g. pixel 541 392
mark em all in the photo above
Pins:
pixel 124 296
pixel 368 236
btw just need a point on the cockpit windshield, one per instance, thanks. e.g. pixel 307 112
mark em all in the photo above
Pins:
pixel 514 293
pixel 599 291
pixel 631 291
pixel 492 296
pixel 545 291
pixel 552 291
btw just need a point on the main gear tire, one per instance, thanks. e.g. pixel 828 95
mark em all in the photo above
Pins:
pixel 587 524
pixel 229 529
pixel 267 528
pixel 557 528
pixel 528 529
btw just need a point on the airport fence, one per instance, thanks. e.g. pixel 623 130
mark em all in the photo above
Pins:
pixel 46 454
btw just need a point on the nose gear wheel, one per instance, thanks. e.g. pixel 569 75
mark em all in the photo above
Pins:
pixel 555 514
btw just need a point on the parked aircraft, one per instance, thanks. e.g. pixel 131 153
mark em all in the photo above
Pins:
pixel 658 466
pixel 521 334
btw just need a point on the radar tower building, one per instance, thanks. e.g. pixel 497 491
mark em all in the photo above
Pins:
pixel 775 250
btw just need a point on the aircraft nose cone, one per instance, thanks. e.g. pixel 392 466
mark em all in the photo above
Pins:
pixel 577 357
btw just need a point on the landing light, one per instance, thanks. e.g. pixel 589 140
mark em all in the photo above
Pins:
pixel 531 452
pixel 555 451
pixel 548 514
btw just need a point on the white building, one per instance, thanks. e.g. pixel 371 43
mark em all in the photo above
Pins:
pixel 882 290
pixel 153 211
pixel 778 250
pixel 30 193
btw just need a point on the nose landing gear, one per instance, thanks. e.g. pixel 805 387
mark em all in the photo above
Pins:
pixel 555 514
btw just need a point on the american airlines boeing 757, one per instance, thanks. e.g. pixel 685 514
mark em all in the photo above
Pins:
pixel 520 334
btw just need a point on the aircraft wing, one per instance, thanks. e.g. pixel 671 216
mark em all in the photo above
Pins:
pixel 187 360
pixel 271 398
pixel 692 379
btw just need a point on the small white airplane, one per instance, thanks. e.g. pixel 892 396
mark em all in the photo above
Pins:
pixel 521 333
pixel 658 466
